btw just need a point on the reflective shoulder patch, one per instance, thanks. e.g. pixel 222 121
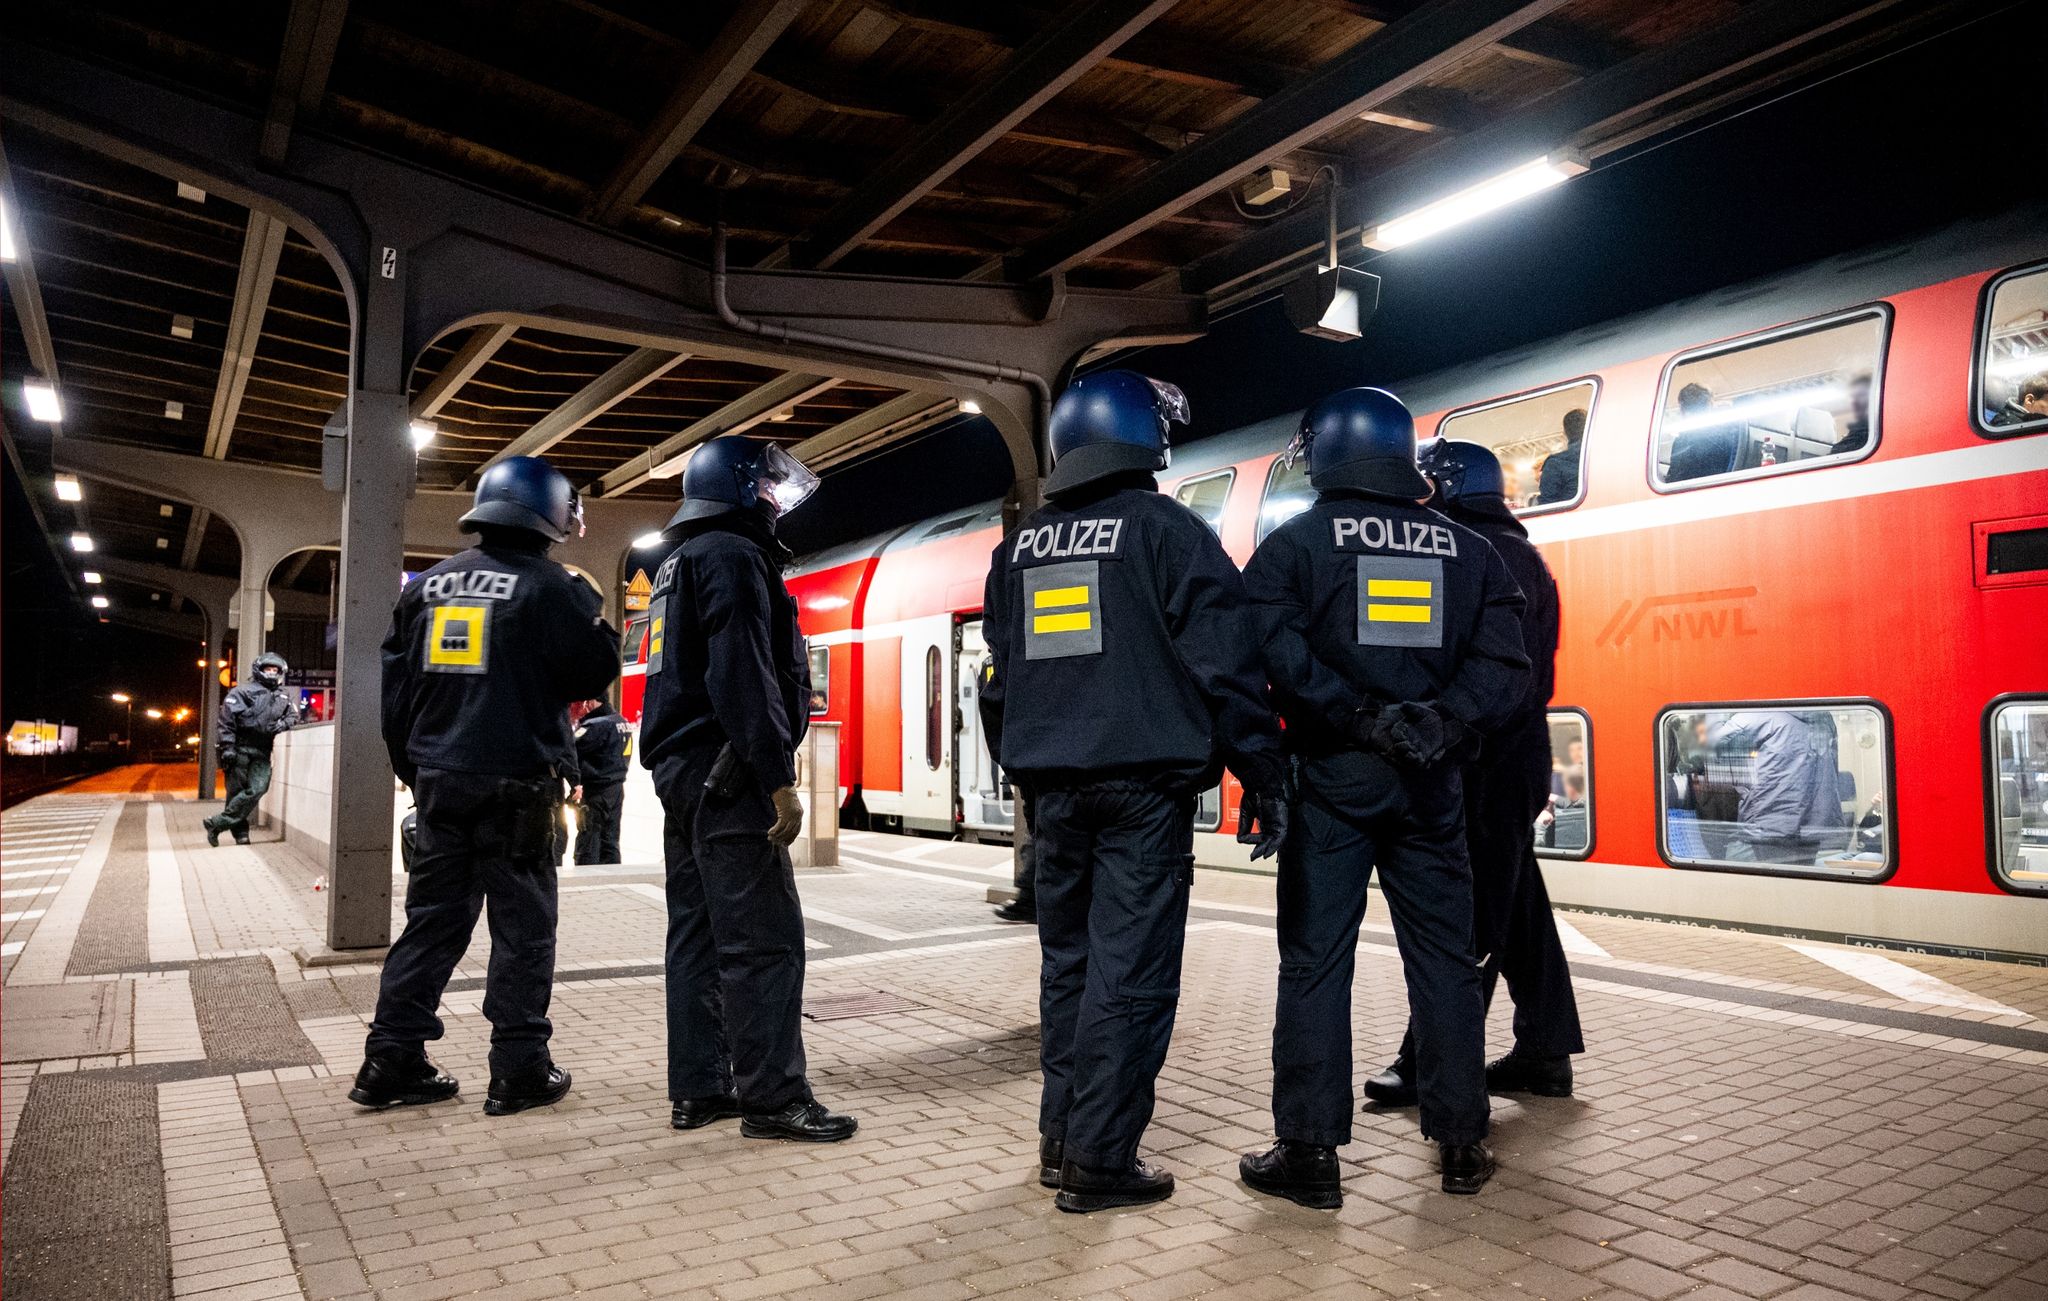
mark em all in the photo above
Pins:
pixel 1063 610
pixel 1400 601
pixel 458 639
pixel 657 630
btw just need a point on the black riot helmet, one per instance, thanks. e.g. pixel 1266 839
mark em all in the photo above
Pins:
pixel 525 492
pixel 1465 474
pixel 1362 438
pixel 1109 423
pixel 269 669
pixel 736 472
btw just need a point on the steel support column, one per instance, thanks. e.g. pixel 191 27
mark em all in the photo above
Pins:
pixel 209 698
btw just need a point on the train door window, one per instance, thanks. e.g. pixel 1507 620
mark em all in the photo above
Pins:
pixel 821 679
pixel 1206 495
pixel 2011 395
pixel 1800 788
pixel 1209 809
pixel 2016 754
pixel 1789 399
pixel 1565 827
pixel 629 645
pixel 1287 494
pixel 1539 438
pixel 934 707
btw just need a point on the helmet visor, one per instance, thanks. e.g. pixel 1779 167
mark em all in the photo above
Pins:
pixel 784 481
pixel 1297 448
pixel 1173 404
pixel 576 513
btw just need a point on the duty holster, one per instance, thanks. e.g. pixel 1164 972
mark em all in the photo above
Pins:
pixel 534 812
pixel 722 783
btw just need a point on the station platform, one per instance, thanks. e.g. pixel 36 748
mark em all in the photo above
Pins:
pixel 1755 1117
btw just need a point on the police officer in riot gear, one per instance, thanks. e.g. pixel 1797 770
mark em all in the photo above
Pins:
pixel 1124 673
pixel 728 694
pixel 251 716
pixel 604 750
pixel 485 654
pixel 1505 789
pixel 1392 638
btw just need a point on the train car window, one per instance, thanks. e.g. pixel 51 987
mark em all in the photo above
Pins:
pixel 1565 827
pixel 821 679
pixel 2016 754
pixel 1206 494
pixel 1287 494
pixel 1790 399
pixel 1209 809
pixel 2011 392
pixel 629 645
pixel 934 702
pixel 1801 788
pixel 1539 438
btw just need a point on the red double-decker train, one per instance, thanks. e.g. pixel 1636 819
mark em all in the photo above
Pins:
pixel 1800 529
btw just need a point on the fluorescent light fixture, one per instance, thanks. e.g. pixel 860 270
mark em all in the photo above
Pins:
pixel 164 509
pixel 2021 365
pixel 163 544
pixel 777 417
pixel 192 192
pixel 1475 201
pixel 174 410
pixel 968 406
pixel 181 327
pixel 7 253
pixel 423 432
pixel 42 401
pixel 81 542
pixel 92 578
pixel 150 713
pixel 100 603
pixel 68 489
pixel 646 540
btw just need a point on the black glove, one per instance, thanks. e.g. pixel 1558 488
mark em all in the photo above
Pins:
pixel 1409 734
pixel 1269 811
pixel 225 754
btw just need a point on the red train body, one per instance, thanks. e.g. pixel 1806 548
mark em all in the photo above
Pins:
pixel 1892 592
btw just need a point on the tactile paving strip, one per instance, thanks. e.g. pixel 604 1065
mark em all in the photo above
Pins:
pixel 115 933
pixel 84 1193
pixel 243 1016
pixel 843 1007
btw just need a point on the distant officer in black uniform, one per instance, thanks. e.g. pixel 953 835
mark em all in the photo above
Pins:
pixel 1124 672
pixel 728 700
pixel 251 716
pixel 1514 932
pixel 604 750
pixel 485 654
pixel 1393 636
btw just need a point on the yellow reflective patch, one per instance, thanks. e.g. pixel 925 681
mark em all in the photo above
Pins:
pixel 1081 621
pixel 654 639
pixel 1057 596
pixel 456 639
pixel 1397 613
pixel 1416 587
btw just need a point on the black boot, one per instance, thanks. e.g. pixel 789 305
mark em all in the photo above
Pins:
pixel 541 1087
pixel 1394 1086
pixel 1518 1072
pixel 1301 1172
pixel 1083 1189
pixel 212 833
pixel 1466 1166
pixel 694 1113
pixel 400 1081
pixel 800 1122
pixel 1019 909
pixel 241 837
pixel 1052 1154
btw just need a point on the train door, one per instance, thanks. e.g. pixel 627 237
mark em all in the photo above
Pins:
pixel 985 803
pixel 927 684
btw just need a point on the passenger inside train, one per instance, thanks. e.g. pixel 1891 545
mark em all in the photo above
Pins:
pixel 1800 789
pixel 2014 366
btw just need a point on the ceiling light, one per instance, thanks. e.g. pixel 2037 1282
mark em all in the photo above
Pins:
pixel 181 327
pixel 192 192
pixel 970 407
pixel 1264 186
pixel 163 544
pixel 174 410
pixel 646 540
pixel 92 577
pixel 164 509
pixel 68 489
pixel 1474 201
pixel 423 432
pixel 100 603
pixel 121 698
pixel 81 542
pixel 42 401
pixel 777 417
pixel 6 236
pixel 153 713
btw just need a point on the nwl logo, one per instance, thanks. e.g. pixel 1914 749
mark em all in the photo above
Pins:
pixel 1712 616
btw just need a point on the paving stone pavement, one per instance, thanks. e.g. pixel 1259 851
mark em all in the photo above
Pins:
pixel 1753 1120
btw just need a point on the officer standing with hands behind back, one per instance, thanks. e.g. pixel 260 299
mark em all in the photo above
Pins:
pixel 1392 637
pixel 1123 673
pixel 728 700
pixel 485 654
pixel 604 753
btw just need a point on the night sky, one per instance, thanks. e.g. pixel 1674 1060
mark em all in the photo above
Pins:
pixel 1953 128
